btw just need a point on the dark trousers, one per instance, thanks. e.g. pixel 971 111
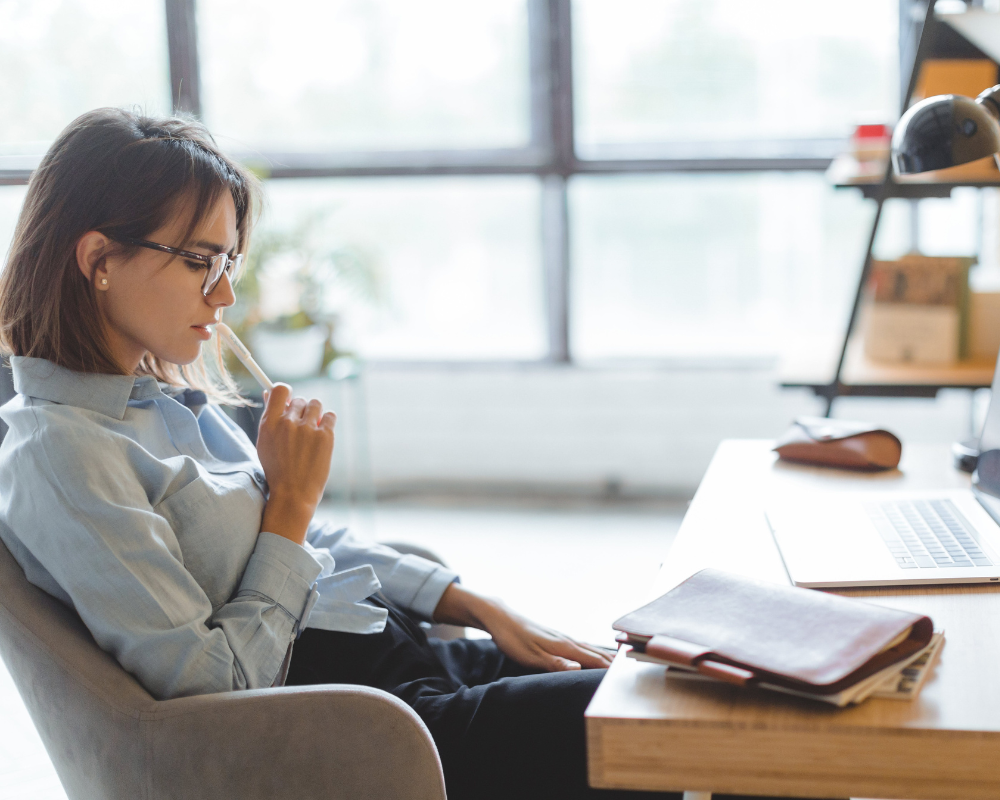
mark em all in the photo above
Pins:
pixel 502 731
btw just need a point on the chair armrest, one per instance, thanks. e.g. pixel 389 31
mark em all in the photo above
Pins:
pixel 326 741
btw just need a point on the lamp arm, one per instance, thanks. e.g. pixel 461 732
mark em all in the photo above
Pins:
pixel 990 100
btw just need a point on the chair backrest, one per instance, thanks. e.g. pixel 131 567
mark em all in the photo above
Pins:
pixel 6 390
pixel 87 709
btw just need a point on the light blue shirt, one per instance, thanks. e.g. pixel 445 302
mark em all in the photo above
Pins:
pixel 142 510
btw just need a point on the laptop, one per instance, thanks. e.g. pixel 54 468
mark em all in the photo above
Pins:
pixel 874 538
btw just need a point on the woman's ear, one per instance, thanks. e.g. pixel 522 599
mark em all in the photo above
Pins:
pixel 90 250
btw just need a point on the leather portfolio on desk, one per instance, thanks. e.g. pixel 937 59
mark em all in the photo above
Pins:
pixel 748 632
pixel 840 443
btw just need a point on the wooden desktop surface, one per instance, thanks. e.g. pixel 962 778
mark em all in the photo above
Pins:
pixel 647 733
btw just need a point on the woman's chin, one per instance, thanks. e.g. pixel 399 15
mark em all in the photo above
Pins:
pixel 188 358
pixel 181 356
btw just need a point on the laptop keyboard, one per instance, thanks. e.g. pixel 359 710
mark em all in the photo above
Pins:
pixel 927 534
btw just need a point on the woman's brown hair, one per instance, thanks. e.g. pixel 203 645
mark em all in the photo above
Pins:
pixel 123 174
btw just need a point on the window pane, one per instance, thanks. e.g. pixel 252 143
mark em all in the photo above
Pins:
pixel 11 199
pixel 365 74
pixel 735 264
pixel 456 263
pixel 950 226
pixel 677 70
pixel 70 56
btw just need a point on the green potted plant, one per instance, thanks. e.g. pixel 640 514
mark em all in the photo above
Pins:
pixel 285 310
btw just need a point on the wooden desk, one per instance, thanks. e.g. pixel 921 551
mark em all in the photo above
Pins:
pixel 647 733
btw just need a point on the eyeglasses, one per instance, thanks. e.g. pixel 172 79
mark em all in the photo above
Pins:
pixel 216 265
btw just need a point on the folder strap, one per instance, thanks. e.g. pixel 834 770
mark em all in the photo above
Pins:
pixel 725 672
pixel 688 654
pixel 676 651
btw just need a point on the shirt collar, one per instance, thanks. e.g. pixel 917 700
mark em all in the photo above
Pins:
pixel 105 394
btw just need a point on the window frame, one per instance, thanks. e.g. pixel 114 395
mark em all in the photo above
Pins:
pixel 550 154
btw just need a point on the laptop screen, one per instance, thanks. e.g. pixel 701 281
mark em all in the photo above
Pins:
pixel 986 478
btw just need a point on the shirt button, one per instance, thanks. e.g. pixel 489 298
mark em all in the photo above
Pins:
pixel 258 476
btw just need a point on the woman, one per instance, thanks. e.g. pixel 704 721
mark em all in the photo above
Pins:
pixel 192 556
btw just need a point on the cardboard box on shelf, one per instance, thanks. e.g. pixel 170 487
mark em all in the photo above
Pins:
pixel 919 311
pixel 923 280
pixel 964 76
pixel 984 326
pixel 908 333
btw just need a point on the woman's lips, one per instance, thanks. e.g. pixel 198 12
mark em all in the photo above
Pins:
pixel 203 331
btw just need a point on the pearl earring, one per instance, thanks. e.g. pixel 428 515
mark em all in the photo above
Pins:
pixel 104 281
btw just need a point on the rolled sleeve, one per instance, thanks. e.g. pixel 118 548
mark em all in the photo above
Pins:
pixel 282 571
pixel 418 584
pixel 408 581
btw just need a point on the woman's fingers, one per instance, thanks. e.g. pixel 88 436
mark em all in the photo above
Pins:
pixel 295 445
pixel 276 400
pixel 559 664
pixel 539 655
pixel 603 654
pixel 537 646
pixel 312 412
pixel 577 653
pixel 295 409
pixel 560 648
pixel 593 659
pixel 557 653
pixel 309 412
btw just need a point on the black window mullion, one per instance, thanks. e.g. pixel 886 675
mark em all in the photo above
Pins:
pixel 182 50
pixel 552 131
pixel 556 264
pixel 539 72
pixel 561 83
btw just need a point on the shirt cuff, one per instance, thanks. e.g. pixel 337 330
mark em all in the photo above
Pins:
pixel 281 571
pixel 417 584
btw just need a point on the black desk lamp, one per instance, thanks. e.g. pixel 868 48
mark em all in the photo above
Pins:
pixel 945 131
pixel 940 132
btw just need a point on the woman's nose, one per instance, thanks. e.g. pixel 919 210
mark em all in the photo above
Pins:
pixel 222 295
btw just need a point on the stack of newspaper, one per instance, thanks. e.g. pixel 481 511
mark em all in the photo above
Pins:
pixel 902 681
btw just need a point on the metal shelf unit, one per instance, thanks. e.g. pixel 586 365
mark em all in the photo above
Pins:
pixel 854 375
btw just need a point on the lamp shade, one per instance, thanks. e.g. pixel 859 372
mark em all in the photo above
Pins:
pixel 945 131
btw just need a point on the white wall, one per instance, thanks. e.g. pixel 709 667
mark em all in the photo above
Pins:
pixel 579 430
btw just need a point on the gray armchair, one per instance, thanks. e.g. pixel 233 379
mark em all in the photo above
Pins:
pixel 109 739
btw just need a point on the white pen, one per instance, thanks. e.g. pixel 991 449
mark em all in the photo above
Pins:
pixel 241 352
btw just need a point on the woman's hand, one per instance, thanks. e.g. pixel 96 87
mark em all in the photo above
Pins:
pixel 295 445
pixel 526 642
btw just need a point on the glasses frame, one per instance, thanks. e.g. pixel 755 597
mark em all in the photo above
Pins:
pixel 230 266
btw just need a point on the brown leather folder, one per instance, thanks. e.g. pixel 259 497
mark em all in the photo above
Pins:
pixel 745 631
pixel 840 443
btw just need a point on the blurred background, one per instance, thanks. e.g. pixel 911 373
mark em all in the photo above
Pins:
pixel 540 255
pixel 571 241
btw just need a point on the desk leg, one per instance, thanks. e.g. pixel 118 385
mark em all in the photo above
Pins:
pixel 697 796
